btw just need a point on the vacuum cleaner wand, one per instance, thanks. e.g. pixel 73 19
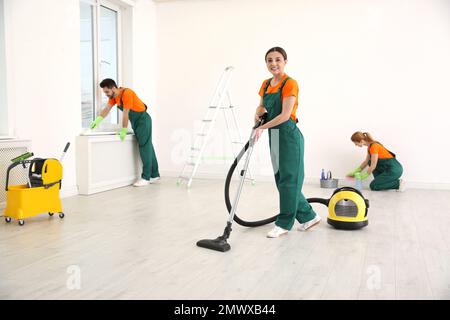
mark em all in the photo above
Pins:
pixel 220 243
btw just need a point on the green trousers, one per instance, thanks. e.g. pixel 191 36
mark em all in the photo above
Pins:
pixel 386 175
pixel 287 150
pixel 141 122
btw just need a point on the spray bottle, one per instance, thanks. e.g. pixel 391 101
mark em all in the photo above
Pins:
pixel 358 181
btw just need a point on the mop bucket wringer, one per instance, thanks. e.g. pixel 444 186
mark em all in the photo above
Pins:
pixel 40 194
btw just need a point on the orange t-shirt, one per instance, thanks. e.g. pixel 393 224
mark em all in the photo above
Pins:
pixel 130 100
pixel 382 152
pixel 290 89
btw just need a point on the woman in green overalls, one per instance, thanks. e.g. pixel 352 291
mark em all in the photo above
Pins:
pixel 136 111
pixel 279 98
pixel 382 163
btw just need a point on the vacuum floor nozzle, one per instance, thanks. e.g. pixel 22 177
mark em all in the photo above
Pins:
pixel 218 244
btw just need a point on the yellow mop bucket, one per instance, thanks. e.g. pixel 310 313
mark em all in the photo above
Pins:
pixel 40 194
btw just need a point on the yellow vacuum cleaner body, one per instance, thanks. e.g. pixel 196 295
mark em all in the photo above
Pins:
pixel 347 209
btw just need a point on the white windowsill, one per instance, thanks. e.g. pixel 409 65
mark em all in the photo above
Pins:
pixel 89 132
pixel 7 137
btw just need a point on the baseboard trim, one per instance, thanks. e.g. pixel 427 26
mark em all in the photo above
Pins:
pixel 68 191
pixel 315 181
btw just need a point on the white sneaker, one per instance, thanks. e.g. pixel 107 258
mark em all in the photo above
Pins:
pixel 153 180
pixel 276 232
pixel 141 183
pixel 311 223
pixel 402 186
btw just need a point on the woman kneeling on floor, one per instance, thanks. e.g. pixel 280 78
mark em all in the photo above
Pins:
pixel 382 163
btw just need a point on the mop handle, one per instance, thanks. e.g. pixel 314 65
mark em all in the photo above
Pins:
pixel 64 152
pixel 22 157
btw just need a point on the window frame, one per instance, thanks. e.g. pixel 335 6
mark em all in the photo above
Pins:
pixel 94 54
pixel 98 93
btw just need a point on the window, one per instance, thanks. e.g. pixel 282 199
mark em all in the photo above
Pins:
pixel 3 107
pixel 109 52
pixel 100 54
pixel 87 63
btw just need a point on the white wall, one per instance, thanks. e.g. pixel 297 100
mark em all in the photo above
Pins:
pixel 139 48
pixel 144 60
pixel 379 66
pixel 4 130
pixel 376 66
pixel 43 73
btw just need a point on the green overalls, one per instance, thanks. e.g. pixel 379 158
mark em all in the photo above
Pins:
pixel 141 122
pixel 386 174
pixel 286 152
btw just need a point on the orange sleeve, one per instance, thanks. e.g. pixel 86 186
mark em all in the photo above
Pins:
pixel 111 102
pixel 261 90
pixel 290 89
pixel 127 99
pixel 374 149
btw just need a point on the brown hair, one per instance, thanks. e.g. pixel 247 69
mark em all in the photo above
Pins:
pixel 358 136
pixel 276 49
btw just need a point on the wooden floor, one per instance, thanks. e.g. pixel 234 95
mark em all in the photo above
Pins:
pixel 139 243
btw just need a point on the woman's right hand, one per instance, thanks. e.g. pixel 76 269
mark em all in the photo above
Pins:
pixel 260 110
pixel 352 174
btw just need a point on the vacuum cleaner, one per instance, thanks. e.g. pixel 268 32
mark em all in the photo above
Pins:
pixel 347 207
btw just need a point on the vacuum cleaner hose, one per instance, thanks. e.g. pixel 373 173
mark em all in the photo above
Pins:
pixel 227 194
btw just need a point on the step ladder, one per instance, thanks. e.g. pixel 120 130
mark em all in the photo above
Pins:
pixel 221 100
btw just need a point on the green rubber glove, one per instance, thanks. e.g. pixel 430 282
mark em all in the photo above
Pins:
pixel 364 175
pixel 96 122
pixel 361 175
pixel 123 133
pixel 354 172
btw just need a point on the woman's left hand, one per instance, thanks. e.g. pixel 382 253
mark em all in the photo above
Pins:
pixel 258 133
